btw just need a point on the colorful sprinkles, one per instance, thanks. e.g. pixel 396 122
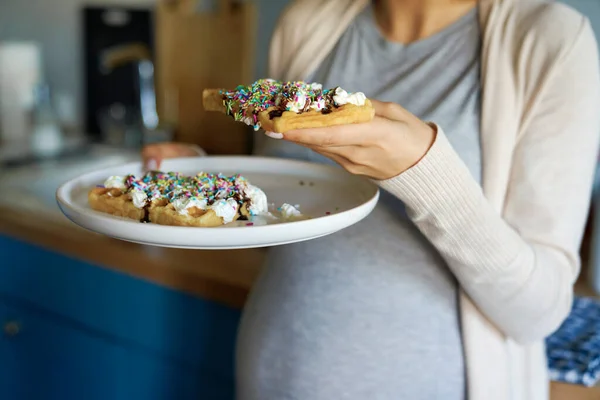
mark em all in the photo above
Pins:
pixel 203 186
pixel 245 102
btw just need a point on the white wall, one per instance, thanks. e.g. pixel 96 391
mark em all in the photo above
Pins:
pixel 590 8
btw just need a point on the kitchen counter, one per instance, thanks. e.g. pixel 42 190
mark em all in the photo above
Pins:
pixel 28 212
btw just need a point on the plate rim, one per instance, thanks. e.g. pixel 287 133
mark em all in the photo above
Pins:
pixel 64 199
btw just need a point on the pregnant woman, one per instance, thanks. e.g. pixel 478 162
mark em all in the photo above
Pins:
pixel 484 143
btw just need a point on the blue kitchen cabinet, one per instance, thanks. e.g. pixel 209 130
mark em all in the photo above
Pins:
pixel 42 358
pixel 72 330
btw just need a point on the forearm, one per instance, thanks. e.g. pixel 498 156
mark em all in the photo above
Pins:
pixel 523 287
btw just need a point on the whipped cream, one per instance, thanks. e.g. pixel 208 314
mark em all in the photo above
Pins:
pixel 248 121
pixel 226 209
pixel 288 212
pixel 182 204
pixel 341 97
pixel 318 105
pixel 139 198
pixel 115 182
pixel 221 194
pixel 258 200
pixel 297 104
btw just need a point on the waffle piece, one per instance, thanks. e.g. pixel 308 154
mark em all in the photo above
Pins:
pixel 204 200
pixel 194 216
pixel 115 202
pixel 283 106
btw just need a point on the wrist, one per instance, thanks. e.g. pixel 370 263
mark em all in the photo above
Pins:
pixel 428 136
pixel 424 139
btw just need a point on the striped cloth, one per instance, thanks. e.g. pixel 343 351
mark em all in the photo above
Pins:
pixel 574 349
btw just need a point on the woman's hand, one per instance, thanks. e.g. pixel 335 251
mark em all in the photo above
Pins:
pixel 391 143
pixel 154 154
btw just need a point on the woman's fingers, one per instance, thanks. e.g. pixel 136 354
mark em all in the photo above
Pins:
pixel 390 110
pixel 154 154
pixel 349 134
pixel 152 157
pixel 338 156
pixel 395 112
pixel 339 135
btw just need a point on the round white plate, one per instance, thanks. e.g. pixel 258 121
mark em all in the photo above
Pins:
pixel 333 198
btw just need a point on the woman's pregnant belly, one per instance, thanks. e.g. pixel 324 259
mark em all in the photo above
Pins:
pixel 367 313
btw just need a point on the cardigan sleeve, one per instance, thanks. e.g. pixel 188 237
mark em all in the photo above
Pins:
pixel 519 267
pixel 286 37
pixel 276 51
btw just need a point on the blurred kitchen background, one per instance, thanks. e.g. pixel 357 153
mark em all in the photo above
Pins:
pixel 83 85
pixel 122 72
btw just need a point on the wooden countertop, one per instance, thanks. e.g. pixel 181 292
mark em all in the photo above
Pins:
pixel 223 276
pixel 564 391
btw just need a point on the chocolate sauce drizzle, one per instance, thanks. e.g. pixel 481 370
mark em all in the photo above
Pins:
pixel 146 217
pixel 275 113
pixel 328 97
pixel 227 109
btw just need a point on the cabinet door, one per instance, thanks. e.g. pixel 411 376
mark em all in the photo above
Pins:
pixel 144 376
pixel 193 331
pixel 45 357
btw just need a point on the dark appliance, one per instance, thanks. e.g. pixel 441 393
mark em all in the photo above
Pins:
pixel 111 92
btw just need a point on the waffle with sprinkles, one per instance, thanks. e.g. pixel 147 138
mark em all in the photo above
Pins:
pixel 171 198
pixel 283 106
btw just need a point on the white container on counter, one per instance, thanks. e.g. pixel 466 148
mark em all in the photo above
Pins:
pixel 20 72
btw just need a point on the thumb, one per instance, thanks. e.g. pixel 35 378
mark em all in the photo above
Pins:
pixel 151 157
pixel 390 110
pixel 152 164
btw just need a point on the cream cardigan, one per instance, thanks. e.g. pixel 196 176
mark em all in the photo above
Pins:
pixel 513 246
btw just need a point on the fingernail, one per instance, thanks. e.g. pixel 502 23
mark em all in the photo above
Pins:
pixel 274 135
pixel 151 165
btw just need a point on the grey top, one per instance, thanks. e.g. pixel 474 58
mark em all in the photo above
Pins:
pixel 370 312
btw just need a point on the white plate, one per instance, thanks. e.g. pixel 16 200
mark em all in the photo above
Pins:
pixel 333 198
